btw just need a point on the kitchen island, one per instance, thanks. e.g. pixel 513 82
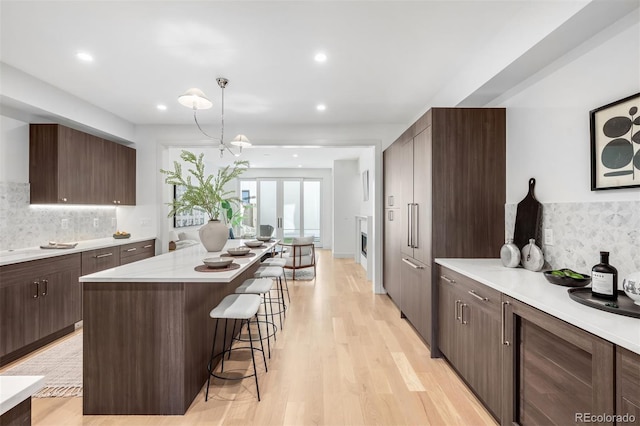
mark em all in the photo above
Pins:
pixel 147 331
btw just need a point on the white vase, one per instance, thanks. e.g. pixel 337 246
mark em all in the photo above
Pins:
pixel 214 235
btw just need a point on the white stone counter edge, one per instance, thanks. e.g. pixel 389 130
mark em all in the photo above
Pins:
pixel 178 267
pixel 15 389
pixel 36 253
pixel 534 290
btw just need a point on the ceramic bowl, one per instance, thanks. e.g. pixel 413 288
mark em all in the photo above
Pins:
pixel 217 262
pixel 566 280
pixel 254 243
pixel 264 238
pixel 631 287
pixel 238 251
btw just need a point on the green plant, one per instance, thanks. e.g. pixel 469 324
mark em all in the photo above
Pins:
pixel 204 193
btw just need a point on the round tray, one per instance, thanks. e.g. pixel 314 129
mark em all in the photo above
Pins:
pixel 225 254
pixel 205 268
pixel 622 306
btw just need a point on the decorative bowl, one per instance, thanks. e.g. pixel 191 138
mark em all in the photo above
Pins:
pixel 561 277
pixel 121 235
pixel 253 243
pixel 217 262
pixel 264 238
pixel 238 251
pixel 631 287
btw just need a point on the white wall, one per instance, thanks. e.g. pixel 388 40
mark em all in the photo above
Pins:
pixel 14 150
pixel 367 162
pixel 548 116
pixel 347 197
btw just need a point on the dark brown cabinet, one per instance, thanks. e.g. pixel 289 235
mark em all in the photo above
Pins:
pixel 391 163
pixel 39 298
pixel 469 327
pixel 73 167
pixel 100 259
pixel 451 169
pixel 553 371
pixel 137 251
pixel 392 264
pixel 627 384
pixel 416 295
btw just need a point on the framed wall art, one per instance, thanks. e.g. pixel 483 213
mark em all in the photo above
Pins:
pixel 195 218
pixel 615 144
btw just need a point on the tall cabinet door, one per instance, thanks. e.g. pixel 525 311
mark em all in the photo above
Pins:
pixel 392 241
pixel 422 196
pixel 406 202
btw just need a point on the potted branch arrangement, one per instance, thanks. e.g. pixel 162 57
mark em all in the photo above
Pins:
pixel 206 194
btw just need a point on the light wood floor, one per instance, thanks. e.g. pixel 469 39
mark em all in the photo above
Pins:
pixel 345 357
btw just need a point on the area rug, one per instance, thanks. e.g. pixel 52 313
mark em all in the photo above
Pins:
pixel 301 274
pixel 61 366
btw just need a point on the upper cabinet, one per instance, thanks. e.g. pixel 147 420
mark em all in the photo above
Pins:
pixel 67 166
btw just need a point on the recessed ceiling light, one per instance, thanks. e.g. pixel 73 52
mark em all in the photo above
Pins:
pixel 299 165
pixel 161 107
pixel 84 57
pixel 295 155
pixel 321 107
pixel 320 57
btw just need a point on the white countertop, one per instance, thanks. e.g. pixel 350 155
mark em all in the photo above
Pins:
pixel 9 257
pixel 15 389
pixel 178 266
pixel 534 290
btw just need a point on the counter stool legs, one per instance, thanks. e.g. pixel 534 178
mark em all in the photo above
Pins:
pixel 243 307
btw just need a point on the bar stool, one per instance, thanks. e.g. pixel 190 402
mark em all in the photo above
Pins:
pixel 241 307
pixel 278 261
pixel 261 287
pixel 275 273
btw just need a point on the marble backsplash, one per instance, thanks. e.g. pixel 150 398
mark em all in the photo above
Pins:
pixel 582 230
pixel 23 225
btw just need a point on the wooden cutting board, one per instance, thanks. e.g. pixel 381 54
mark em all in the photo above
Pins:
pixel 528 219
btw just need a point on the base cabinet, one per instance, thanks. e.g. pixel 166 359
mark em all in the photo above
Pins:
pixel 554 373
pixel 392 261
pixel 416 295
pixel 38 298
pixel 627 384
pixel 469 325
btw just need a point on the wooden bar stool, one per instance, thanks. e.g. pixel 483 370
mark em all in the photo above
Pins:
pixel 261 287
pixel 241 307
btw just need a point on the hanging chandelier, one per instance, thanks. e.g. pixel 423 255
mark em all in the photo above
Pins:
pixel 196 99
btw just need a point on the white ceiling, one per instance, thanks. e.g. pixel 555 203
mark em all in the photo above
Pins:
pixel 387 60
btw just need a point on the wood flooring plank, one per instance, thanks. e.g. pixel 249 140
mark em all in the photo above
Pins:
pixel 407 372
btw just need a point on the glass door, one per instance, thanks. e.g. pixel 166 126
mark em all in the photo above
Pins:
pixel 291 206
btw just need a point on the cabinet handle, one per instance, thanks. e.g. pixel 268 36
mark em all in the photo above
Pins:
pixel 148 246
pixel 502 338
pixel 413 265
pixel 132 249
pixel 447 279
pixel 37 293
pixel 477 296
pixel 416 223
pixel 46 287
pixel 409 225
pixel 100 256
pixel 457 309
pixel 462 320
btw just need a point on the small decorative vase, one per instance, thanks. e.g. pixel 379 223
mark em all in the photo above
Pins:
pixel 214 235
